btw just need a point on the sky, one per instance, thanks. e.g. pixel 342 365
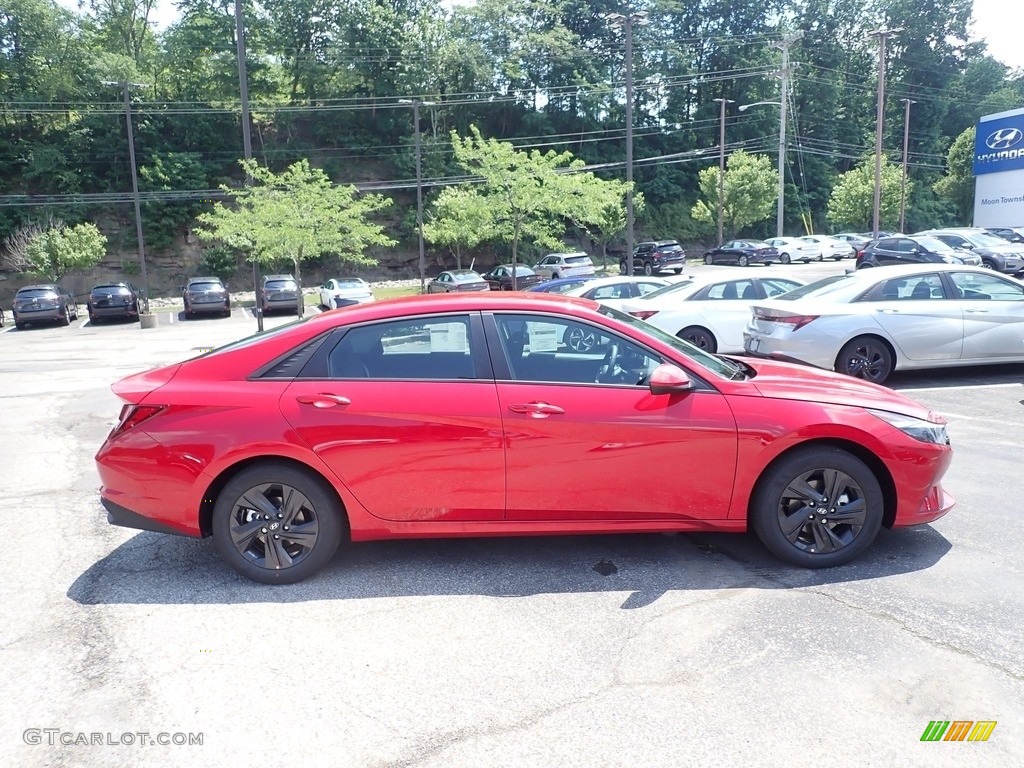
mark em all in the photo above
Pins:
pixel 998 22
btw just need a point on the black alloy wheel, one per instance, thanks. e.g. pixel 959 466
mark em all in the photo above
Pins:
pixel 700 338
pixel 818 507
pixel 277 524
pixel 866 357
pixel 580 339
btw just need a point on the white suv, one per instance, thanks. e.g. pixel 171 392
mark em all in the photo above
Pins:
pixel 556 265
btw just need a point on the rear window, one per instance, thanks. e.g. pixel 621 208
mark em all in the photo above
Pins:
pixel 344 283
pixel 524 272
pixel 822 287
pixel 466 277
pixel 283 285
pixel 204 286
pixel 670 247
pixel 111 289
pixel 577 259
pixel 36 293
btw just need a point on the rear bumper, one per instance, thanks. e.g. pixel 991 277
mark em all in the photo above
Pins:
pixel 124 517
pixel 40 316
pixel 209 309
pixel 123 311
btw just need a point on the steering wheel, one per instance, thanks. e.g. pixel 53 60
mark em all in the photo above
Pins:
pixel 606 373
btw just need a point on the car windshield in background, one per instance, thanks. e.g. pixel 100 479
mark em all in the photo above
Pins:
pixel 719 365
pixel 933 244
pixel 674 287
pixel 281 285
pixel 29 293
pixel 205 287
pixel 346 284
pixel 758 244
pixel 985 240
pixel 823 287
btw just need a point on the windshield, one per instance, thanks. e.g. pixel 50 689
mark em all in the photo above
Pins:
pixel 679 286
pixel 933 244
pixel 822 287
pixel 985 240
pixel 719 365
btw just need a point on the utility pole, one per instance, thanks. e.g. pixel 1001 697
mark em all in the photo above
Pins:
pixel 721 165
pixel 882 35
pixel 625 21
pixel 784 73
pixel 143 274
pixel 243 89
pixel 906 142
pixel 416 104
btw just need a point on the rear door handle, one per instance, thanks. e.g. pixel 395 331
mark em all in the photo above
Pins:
pixel 977 311
pixel 323 400
pixel 888 311
pixel 536 410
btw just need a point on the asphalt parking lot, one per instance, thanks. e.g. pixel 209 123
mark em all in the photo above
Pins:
pixel 655 650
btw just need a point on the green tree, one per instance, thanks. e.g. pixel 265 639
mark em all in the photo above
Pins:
pixel 749 192
pixel 957 186
pixel 460 219
pixel 296 215
pixel 532 195
pixel 51 251
pixel 852 202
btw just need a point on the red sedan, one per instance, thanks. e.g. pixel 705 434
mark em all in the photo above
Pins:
pixel 449 416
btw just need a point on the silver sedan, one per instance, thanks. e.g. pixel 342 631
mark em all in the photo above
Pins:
pixel 871 322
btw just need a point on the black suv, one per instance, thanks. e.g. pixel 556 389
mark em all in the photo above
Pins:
pixel 44 303
pixel 912 249
pixel 206 296
pixel 656 256
pixel 113 300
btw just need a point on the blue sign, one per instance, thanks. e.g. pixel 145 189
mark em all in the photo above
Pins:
pixel 999 145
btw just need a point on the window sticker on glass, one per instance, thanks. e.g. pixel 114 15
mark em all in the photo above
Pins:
pixel 543 337
pixel 448 337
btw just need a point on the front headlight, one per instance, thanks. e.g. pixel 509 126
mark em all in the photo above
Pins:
pixel 919 429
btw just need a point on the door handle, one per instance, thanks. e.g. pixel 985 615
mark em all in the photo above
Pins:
pixel 536 410
pixel 976 311
pixel 888 311
pixel 323 400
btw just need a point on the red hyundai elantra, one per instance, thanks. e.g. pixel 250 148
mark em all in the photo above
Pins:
pixel 470 415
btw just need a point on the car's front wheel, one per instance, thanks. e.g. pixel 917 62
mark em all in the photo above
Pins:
pixel 622 268
pixel 277 524
pixel 784 258
pixel 865 357
pixel 709 259
pixel 648 268
pixel 817 507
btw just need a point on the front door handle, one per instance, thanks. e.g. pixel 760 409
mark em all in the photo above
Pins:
pixel 976 311
pixel 323 400
pixel 536 410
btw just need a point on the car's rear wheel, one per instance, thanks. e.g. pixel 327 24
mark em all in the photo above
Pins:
pixel 817 507
pixel 865 357
pixel 699 337
pixel 277 524
pixel 65 319
pixel 19 325
pixel 622 268
pixel 555 275
pixel 784 258
pixel 709 259
pixel 743 260
pixel 678 270
pixel 821 256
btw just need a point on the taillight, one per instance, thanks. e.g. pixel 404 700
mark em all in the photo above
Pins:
pixel 644 314
pixel 133 415
pixel 784 318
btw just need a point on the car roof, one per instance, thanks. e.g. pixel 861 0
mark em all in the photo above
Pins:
pixel 39 286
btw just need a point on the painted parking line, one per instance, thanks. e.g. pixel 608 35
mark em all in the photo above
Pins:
pixel 958 387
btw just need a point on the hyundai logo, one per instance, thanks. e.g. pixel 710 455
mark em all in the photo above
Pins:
pixel 1004 138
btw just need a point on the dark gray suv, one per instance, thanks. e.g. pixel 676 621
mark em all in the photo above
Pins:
pixel 995 252
pixel 206 296
pixel 44 304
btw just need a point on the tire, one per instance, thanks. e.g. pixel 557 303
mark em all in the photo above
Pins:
pixel 20 325
pixel 743 261
pixel 795 519
pixel 709 259
pixel 678 271
pixel 648 268
pixel 622 267
pixel 240 537
pixel 865 357
pixel 987 264
pixel 784 258
pixel 226 313
pixel 555 276
pixel 65 319
pixel 701 338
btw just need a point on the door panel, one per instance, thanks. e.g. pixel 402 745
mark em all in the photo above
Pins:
pixel 929 328
pixel 993 310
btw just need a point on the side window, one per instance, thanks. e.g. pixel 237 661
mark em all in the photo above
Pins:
pixel 562 351
pixel 775 287
pixel 645 288
pixel 620 291
pixel 734 289
pixel 924 287
pixel 429 348
pixel 904 246
pixel 975 286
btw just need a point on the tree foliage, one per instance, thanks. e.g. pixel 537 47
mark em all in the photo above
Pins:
pixel 51 251
pixel 749 192
pixel 957 186
pixel 852 203
pixel 460 219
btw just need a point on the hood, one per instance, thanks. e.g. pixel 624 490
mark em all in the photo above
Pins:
pixel 789 381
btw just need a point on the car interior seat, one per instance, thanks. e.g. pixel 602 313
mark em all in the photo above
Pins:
pixel 892 289
pixel 749 292
pixel 729 291
pixel 921 291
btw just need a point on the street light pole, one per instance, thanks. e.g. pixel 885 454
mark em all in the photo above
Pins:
pixel 243 89
pixel 721 165
pixel 416 104
pixel 143 273
pixel 882 35
pixel 625 21
pixel 782 157
pixel 903 182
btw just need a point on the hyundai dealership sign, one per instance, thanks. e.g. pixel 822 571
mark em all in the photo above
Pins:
pixel 999 170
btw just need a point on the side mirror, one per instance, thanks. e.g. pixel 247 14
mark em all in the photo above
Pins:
pixel 668 379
